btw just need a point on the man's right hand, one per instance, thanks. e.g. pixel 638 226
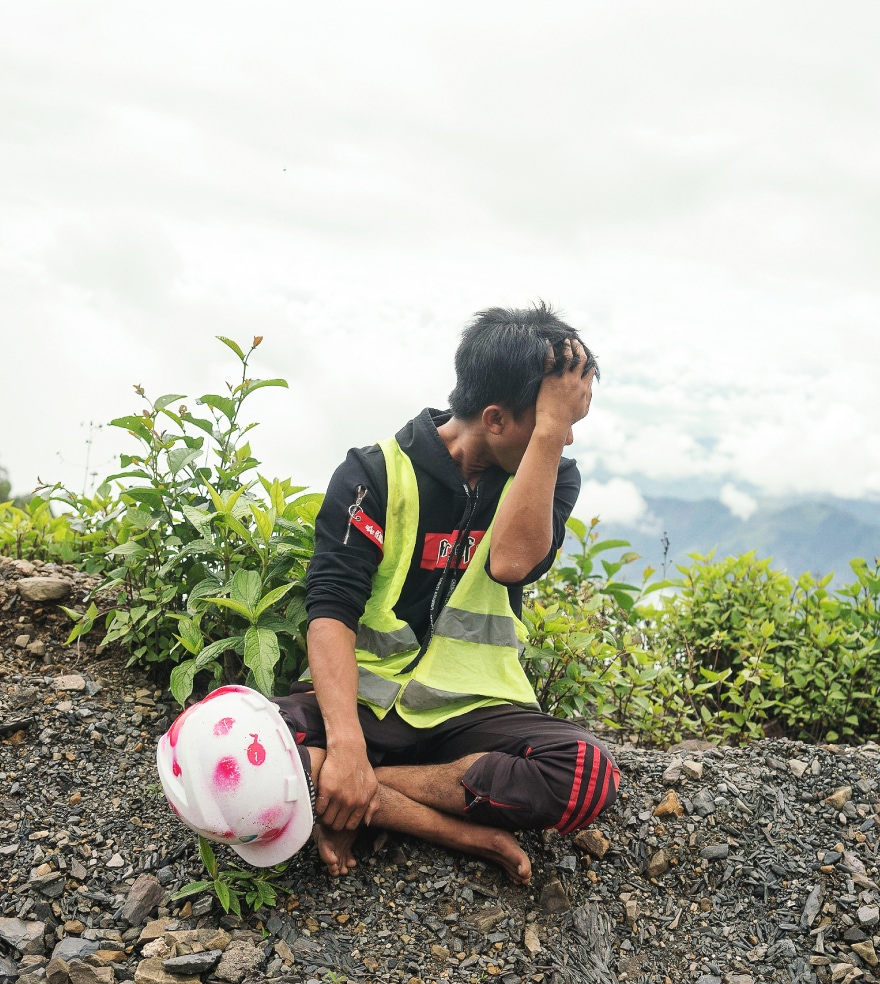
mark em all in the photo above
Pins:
pixel 348 792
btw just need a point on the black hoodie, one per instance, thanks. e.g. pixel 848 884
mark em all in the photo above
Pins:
pixel 341 571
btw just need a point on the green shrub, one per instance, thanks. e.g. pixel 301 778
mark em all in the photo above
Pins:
pixel 829 656
pixel 768 655
pixel 207 564
pixel 31 531
pixel 731 650
pixel 586 656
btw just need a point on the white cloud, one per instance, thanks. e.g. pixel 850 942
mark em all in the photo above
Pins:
pixel 616 501
pixel 741 504
pixel 697 186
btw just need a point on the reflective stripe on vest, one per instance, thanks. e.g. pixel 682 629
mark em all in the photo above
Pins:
pixel 384 644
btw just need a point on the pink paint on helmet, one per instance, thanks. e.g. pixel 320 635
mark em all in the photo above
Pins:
pixel 206 763
pixel 226 774
pixel 256 753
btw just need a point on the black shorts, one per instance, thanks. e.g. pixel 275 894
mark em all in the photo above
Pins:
pixel 539 772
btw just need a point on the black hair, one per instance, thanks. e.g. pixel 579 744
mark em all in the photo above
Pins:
pixel 502 355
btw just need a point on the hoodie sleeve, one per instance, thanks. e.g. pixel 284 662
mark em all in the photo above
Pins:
pixel 340 573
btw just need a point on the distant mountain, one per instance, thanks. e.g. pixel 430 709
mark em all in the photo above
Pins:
pixel 797 534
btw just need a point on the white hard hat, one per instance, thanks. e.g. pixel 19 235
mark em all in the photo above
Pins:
pixel 231 771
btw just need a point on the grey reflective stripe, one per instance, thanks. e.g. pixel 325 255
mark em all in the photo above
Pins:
pixel 383 644
pixel 417 697
pixel 490 630
pixel 375 689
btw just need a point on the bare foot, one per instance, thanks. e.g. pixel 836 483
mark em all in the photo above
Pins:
pixel 502 848
pixel 335 848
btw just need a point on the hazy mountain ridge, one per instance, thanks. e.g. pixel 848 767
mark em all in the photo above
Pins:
pixel 819 535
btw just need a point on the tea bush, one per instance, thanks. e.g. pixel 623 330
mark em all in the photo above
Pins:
pixel 586 656
pixel 206 558
pixel 730 650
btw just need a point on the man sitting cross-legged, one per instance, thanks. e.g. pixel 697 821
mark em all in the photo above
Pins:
pixel 416 712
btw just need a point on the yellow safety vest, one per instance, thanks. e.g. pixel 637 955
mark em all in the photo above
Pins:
pixel 472 659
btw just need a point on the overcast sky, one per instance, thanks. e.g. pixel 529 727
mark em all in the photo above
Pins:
pixel 696 185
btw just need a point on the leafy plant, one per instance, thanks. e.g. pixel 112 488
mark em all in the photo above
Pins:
pixel 208 564
pixel 586 656
pixel 235 886
pixel 829 656
pixel 30 531
pixel 732 649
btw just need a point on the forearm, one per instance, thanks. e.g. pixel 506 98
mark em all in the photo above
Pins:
pixel 522 533
pixel 347 787
pixel 335 675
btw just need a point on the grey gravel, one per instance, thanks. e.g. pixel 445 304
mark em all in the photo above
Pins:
pixel 739 868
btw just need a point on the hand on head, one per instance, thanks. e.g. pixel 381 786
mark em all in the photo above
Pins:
pixel 566 389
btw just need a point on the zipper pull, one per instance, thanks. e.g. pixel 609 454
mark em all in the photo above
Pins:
pixel 354 509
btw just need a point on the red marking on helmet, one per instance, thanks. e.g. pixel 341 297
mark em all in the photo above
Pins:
pixel 268 817
pixel 226 774
pixel 220 691
pixel 174 808
pixel 255 752
pixel 175 767
pixel 174 730
pixel 223 726
pixel 227 835
pixel 272 833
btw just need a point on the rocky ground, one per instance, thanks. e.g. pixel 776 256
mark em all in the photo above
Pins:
pixel 716 866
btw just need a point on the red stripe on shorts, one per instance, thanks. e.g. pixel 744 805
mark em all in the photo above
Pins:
pixel 578 821
pixel 575 786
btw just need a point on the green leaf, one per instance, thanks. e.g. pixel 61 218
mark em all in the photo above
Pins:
pixel 179 458
pixel 577 527
pixel 193 888
pixel 140 426
pixel 223 893
pixel 246 588
pixel 128 549
pixel 182 676
pixel 168 399
pixel 189 635
pixel 255 384
pixel 305 507
pixel 200 546
pixel 202 592
pixel 261 654
pixel 206 425
pixel 263 519
pixel 278 624
pixel 141 519
pixel 153 497
pixel 240 529
pixel 233 345
pixel 208 857
pixel 200 518
pixel 221 403
pixel 608 545
pixel 132 473
pixel 225 502
pixel 271 597
pixel 234 606
pixel 296 610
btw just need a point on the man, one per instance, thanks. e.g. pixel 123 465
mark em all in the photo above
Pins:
pixel 416 713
